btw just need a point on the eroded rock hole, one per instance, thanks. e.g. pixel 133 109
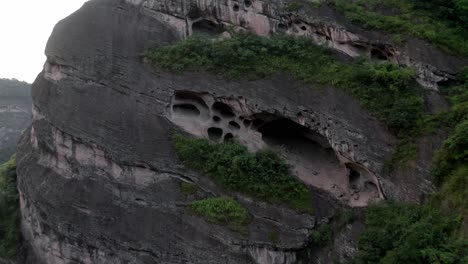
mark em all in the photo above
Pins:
pixel 234 125
pixel 370 187
pixel 236 7
pixel 191 97
pixel 186 109
pixel 223 109
pixel 228 137
pixel 282 27
pixel 304 28
pixel 378 55
pixel 215 133
pixel 216 119
pixel 248 3
pixel 207 28
pixel 258 122
pixel 247 123
pixel 354 179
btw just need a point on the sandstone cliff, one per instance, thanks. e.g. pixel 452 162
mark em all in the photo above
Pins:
pixel 98 177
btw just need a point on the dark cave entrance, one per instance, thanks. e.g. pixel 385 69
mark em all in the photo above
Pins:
pixel 313 159
pixel 186 109
pixel 378 55
pixel 207 28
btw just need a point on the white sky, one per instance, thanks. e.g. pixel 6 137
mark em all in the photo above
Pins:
pixel 25 26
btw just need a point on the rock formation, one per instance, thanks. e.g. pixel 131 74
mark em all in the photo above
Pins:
pixel 98 178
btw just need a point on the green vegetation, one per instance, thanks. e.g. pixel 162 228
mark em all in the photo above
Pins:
pixel 223 210
pixel 401 233
pixel 9 211
pixel 453 154
pixel 384 89
pixel 262 175
pixel 273 237
pixel 293 7
pixel 188 188
pixel 322 236
pixel 450 167
pixel 442 22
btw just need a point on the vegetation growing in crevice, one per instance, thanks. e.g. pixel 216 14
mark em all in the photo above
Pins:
pixel 293 7
pixel 224 211
pixel 323 236
pixel 9 210
pixel 383 88
pixel 442 22
pixel 403 233
pixel 188 188
pixel 263 175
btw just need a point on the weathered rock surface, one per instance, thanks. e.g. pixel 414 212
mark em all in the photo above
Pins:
pixel 15 115
pixel 99 181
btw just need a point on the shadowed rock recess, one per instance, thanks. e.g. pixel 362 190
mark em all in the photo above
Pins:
pixel 98 177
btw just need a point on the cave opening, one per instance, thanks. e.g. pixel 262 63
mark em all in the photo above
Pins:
pixel 378 55
pixel 190 97
pixel 186 109
pixel 207 28
pixel 223 109
pixel 215 133
pixel 354 178
pixel 313 159
pixel 234 125
pixel 228 137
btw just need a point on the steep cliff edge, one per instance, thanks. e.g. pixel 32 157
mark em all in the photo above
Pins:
pixel 98 176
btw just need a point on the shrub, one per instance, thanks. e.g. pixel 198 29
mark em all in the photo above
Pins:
pixel 401 233
pixel 441 22
pixel 322 236
pixel 263 175
pixel 453 154
pixel 9 214
pixel 223 210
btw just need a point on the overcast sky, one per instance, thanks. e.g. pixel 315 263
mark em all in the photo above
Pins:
pixel 25 26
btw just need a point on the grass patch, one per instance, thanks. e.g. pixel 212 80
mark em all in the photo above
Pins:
pixel 402 233
pixel 188 188
pixel 263 175
pixel 430 20
pixel 224 211
pixel 9 210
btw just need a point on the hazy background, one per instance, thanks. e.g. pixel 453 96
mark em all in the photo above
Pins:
pixel 25 26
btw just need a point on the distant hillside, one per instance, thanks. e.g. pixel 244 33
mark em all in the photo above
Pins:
pixel 15 114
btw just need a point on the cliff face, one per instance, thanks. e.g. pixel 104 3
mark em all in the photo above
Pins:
pixel 98 178
pixel 15 115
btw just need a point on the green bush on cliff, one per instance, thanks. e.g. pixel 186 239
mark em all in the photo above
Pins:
pixel 402 233
pixel 9 211
pixel 223 210
pixel 442 22
pixel 263 174
pixel 384 89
